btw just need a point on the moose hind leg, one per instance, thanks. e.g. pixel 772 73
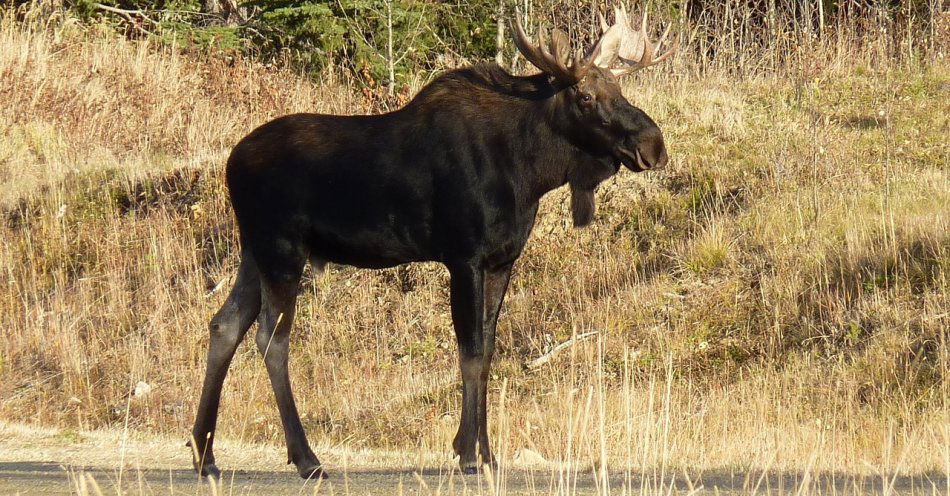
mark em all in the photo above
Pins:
pixel 228 327
pixel 273 340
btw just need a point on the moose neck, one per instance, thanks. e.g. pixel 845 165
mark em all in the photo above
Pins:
pixel 553 157
pixel 526 118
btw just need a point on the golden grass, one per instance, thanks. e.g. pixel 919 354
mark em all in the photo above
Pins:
pixel 776 300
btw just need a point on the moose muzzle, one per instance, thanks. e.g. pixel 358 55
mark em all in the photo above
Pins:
pixel 649 152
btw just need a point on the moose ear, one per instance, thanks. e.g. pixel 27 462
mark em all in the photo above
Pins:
pixel 582 206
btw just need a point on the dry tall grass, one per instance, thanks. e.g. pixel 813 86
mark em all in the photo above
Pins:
pixel 778 298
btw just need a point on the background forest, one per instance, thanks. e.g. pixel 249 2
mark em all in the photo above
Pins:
pixel 388 42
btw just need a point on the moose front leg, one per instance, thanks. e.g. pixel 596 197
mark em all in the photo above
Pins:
pixel 476 296
pixel 495 285
pixel 467 300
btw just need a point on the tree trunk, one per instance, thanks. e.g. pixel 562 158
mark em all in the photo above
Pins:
pixel 226 10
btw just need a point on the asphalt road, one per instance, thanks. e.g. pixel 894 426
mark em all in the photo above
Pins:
pixel 54 479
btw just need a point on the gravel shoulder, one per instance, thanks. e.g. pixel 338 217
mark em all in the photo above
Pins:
pixel 50 461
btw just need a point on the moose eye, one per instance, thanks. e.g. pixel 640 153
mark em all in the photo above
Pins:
pixel 585 97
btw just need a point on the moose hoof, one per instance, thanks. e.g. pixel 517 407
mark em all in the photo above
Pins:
pixel 312 472
pixel 208 470
pixel 471 468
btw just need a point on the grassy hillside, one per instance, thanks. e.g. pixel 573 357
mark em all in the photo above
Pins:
pixel 778 297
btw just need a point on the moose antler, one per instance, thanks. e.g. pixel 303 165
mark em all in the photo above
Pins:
pixel 554 62
pixel 632 49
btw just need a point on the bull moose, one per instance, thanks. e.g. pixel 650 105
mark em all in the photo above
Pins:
pixel 454 177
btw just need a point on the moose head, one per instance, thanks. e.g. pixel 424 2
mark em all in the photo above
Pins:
pixel 594 112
